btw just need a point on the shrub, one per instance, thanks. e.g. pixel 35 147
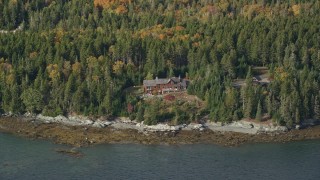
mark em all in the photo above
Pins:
pixel 169 97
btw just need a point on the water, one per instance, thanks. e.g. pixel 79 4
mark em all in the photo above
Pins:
pixel 37 159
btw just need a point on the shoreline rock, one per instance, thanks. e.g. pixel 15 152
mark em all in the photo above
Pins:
pixel 89 135
pixel 246 127
pixel 241 126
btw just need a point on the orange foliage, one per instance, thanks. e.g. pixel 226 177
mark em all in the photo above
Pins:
pixel 109 3
pixel 161 32
pixel 5 68
pixel 209 10
pixel 6 71
pixel 170 33
pixel 195 44
pixel 197 36
pixel 179 28
pixel 121 9
pixel 184 37
pixel 162 36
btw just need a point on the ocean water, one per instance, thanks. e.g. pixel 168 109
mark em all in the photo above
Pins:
pixel 37 159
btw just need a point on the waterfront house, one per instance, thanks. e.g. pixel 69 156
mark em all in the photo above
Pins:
pixel 163 86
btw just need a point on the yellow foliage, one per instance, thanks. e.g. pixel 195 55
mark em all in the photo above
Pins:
pixel 280 74
pixel 92 62
pixel 6 71
pixel 5 67
pixel 95 78
pixel 296 9
pixel 265 93
pixel 59 35
pixel 53 71
pixel 185 2
pixel 252 10
pixel 10 79
pixel 66 68
pixel 112 49
pixel 230 100
pixel 76 68
pixel 159 26
pixel 184 37
pixel 13 2
pixel 100 29
pixel 169 64
pixel 109 3
pixel 117 67
pixel 33 55
pixel 223 5
pixel 100 59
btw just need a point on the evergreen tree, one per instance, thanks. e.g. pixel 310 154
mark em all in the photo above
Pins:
pixel 140 113
pixel 32 99
pixel 259 112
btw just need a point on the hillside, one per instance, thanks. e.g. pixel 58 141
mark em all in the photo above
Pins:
pixel 80 56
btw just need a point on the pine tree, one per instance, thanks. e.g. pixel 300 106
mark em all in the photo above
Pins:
pixel 32 99
pixel 259 112
pixel 297 116
pixel 248 109
pixel 316 108
pixel 140 113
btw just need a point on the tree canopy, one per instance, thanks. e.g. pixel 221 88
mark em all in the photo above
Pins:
pixel 80 55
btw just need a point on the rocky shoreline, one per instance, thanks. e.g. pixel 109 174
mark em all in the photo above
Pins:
pixel 123 131
pixel 243 126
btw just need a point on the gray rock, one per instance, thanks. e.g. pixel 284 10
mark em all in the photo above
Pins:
pixel 162 128
pixel 101 124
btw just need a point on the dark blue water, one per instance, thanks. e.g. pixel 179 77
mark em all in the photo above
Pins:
pixel 35 159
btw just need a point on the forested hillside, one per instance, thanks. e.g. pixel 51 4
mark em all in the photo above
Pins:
pixel 80 55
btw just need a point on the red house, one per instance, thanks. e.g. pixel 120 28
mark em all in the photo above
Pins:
pixel 162 86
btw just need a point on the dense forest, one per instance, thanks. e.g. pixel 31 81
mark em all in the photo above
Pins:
pixel 80 55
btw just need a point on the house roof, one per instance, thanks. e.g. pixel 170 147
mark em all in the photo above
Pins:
pixel 157 81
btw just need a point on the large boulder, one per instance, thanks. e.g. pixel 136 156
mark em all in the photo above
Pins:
pixel 80 120
pixel 101 124
pixel 45 119
pixel 162 127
